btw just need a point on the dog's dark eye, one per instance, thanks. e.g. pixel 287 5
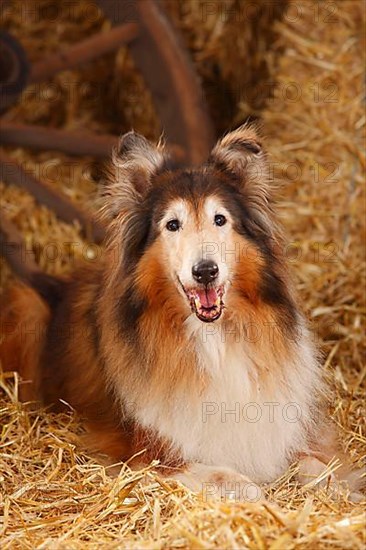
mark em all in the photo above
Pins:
pixel 173 225
pixel 220 220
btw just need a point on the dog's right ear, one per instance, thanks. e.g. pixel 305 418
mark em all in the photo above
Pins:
pixel 134 161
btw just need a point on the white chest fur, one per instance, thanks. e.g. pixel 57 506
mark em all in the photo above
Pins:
pixel 238 422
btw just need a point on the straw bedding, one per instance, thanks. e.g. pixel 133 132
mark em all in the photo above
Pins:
pixel 52 494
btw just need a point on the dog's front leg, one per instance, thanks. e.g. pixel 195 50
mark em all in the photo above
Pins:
pixel 219 482
pixel 312 474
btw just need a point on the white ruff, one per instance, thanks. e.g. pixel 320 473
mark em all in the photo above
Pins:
pixel 237 423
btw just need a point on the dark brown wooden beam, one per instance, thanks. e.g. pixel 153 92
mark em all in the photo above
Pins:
pixel 76 143
pixel 82 52
pixel 70 142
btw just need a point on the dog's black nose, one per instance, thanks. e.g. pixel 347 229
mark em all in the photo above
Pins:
pixel 205 271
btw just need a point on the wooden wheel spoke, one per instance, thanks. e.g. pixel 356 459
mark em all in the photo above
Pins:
pixel 69 142
pixel 82 52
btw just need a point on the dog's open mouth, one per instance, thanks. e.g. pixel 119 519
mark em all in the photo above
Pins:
pixel 206 302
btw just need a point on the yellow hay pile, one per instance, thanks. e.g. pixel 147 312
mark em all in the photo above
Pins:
pixel 52 494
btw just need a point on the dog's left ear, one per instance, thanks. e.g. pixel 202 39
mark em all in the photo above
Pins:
pixel 241 153
pixel 134 162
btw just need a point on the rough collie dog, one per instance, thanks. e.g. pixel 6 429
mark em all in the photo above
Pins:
pixel 185 342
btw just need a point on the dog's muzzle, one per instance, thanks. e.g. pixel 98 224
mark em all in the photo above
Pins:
pixel 205 298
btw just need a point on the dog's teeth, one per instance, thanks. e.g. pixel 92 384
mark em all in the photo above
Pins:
pixel 197 302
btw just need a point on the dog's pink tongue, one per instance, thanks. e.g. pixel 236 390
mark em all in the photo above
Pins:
pixel 207 298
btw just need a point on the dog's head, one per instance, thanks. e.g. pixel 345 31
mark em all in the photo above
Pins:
pixel 199 241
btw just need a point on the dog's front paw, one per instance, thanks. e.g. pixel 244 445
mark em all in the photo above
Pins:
pixel 219 482
pixel 313 475
pixel 227 484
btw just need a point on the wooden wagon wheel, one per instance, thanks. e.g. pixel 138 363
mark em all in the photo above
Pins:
pixel 165 66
